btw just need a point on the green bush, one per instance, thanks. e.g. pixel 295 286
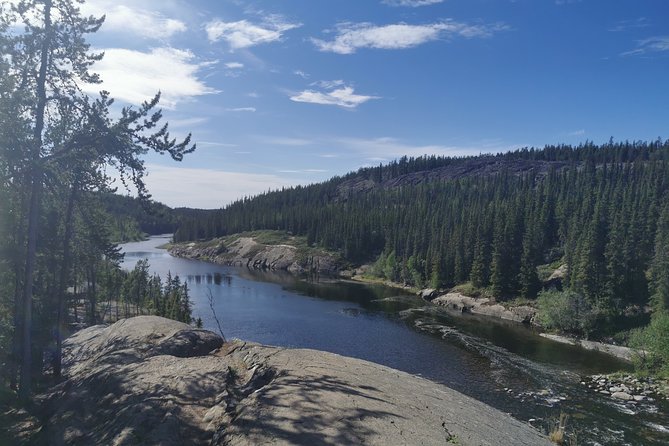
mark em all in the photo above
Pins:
pixel 652 343
pixel 566 311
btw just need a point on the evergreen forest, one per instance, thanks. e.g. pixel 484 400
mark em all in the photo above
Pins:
pixel 500 223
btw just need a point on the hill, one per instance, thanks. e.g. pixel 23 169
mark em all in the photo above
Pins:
pixel 498 222
pixel 131 219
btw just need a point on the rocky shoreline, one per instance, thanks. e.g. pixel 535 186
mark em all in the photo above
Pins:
pixel 484 306
pixel 628 388
pixel 619 351
pixel 248 251
pixel 522 314
pixel 149 380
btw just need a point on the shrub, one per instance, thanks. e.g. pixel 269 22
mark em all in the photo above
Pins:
pixel 566 311
pixel 653 345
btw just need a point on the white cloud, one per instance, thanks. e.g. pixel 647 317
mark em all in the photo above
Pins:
pixel 130 19
pixel 136 76
pixel 329 84
pixel 241 109
pixel 657 44
pixel 353 36
pixel 243 34
pixel 208 188
pixel 301 73
pixel 411 3
pixel 578 132
pixel 234 65
pixel 335 93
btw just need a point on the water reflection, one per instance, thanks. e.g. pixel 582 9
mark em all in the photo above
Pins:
pixel 503 364
pixel 210 279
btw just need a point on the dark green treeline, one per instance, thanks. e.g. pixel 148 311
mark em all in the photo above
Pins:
pixel 595 208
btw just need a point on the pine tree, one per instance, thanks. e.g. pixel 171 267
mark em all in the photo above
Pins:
pixel 659 271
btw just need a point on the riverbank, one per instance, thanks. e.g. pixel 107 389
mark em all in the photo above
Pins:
pixel 262 250
pixel 154 381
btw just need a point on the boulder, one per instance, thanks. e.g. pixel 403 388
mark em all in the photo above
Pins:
pixel 428 293
pixel 622 396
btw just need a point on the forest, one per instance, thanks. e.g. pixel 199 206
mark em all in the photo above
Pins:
pixel 61 153
pixel 499 223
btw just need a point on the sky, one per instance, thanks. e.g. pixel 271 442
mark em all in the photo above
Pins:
pixel 281 93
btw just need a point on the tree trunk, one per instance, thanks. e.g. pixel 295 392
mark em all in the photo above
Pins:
pixel 31 254
pixel 64 274
pixel 93 297
pixel 34 210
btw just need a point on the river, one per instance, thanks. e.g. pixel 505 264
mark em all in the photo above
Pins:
pixel 504 364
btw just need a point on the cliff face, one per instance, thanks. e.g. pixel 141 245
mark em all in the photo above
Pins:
pixel 149 380
pixel 249 251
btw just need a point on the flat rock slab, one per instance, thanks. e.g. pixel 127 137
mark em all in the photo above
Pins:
pixel 323 398
pixel 148 380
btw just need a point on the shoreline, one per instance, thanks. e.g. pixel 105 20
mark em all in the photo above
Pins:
pixel 522 314
pixel 475 305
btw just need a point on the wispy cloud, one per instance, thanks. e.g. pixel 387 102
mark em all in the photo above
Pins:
pixel 303 171
pixel 136 76
pixel 353 36
pixel 578 132
pixel 128 18
pixel 215 144
pixel 244 34
pixel 387 148
pixel 659 44
pixel 328 84
pixel 187 122
pixel 301 73
pixel 234 65
pixel 284 141
pixel 626 25
pixel 332 93
pixel 241 109
pixel 411 3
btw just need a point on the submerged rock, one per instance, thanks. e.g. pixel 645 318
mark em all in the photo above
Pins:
pixel 149 380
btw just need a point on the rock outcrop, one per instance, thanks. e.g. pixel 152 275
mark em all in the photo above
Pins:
pixel 482 305
pixel 619 351
pixel 246 251
pixel 148 380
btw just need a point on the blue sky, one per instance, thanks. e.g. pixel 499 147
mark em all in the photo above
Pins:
pixel 279 93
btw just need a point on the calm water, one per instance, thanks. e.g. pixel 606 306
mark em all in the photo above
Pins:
pixel 503 364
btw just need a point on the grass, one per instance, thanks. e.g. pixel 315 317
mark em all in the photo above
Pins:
pixel 545 271
pixel 558 434
pixel 468 289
